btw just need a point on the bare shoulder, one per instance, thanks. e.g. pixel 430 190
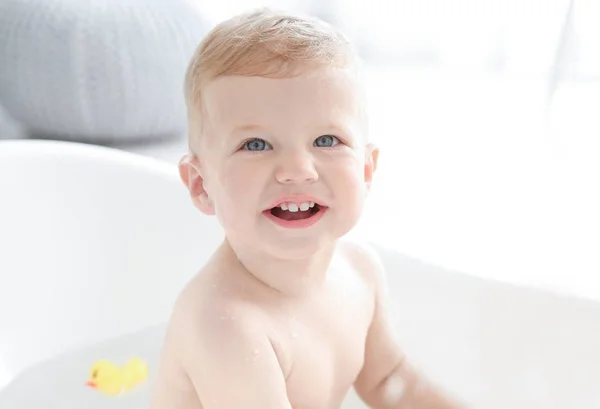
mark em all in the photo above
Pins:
pixel 209 305
pixel 218 340
pixel 209 309
pixel 366 260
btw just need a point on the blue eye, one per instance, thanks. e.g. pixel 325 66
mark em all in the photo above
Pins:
pixel 257 144
pixel 326 141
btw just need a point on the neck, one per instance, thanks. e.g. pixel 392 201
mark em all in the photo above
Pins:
pixel 290 277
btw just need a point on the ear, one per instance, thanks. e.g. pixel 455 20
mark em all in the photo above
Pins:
pixel 191 176
pixel 371 157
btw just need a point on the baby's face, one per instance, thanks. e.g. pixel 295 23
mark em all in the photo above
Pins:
pixel 286 164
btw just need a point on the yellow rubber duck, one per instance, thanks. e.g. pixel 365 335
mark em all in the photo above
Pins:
pixel 112 380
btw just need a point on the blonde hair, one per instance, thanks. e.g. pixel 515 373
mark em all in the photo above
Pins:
pixel 263 43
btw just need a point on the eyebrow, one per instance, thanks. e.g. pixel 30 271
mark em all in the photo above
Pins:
pixel 338 127
pixel 247 127
pixel 344 130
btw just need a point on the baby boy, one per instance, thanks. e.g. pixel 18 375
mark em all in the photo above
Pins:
pixel 286 313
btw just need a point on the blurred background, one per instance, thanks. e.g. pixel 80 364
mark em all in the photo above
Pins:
pixel 486 112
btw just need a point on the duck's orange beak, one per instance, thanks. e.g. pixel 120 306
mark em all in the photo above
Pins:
pixel 90 384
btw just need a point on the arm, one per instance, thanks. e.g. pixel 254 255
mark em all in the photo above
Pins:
pixel 233 365
pixel 387 380
pixel 230 363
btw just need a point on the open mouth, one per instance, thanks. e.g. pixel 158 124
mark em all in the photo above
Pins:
pixel 293 212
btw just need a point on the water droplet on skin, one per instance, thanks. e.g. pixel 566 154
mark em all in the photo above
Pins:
pixel 255 354
pixel 394 390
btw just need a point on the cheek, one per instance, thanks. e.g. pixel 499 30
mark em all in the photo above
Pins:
pixel 350 176
pixel 354 184
pixel 237 184
pixel 346 181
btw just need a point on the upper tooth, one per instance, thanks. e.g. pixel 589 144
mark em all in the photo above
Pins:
pixel 294 207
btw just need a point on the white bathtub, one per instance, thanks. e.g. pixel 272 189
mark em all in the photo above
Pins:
pixel 71 220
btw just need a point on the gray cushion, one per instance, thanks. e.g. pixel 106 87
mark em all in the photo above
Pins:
pixel 9 129
pixel 97 70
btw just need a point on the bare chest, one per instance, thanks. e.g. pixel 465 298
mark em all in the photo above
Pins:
pixel 322 348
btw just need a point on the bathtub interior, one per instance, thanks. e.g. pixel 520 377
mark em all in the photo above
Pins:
pixel 94 242
pixel 492 345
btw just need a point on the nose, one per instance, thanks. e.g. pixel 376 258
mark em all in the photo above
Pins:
pixel 296 168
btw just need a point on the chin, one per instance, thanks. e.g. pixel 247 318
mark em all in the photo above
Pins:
pixel 299 248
